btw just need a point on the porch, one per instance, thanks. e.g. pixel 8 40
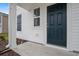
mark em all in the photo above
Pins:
pixel 34 49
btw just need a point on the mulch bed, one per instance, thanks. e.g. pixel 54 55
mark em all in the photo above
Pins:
pixel 10 52
pixel 20 41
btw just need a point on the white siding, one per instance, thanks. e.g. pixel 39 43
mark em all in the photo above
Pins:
pixel 75 26
pixel 29 32
pixel 26 23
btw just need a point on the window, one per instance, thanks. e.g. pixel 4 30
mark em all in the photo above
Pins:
pixel 37 12
pixel 19 17
pixel 37 17
pixel 36 21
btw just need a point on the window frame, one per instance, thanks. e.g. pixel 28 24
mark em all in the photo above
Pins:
pixel 37 17
pixel 37 21
pixel 19 24
pixel 37 12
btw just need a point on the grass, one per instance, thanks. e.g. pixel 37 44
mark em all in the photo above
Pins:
pixel 4 36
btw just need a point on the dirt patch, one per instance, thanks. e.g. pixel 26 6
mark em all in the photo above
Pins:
pixel 3 43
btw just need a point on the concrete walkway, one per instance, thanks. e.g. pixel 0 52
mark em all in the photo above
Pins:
pixel 33 49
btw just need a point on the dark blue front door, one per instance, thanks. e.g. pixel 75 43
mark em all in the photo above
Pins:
pixel 56 24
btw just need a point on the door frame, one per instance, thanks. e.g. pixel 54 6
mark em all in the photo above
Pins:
pixel 66 25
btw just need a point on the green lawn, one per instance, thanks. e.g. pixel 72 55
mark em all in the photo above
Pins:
pixel 4 36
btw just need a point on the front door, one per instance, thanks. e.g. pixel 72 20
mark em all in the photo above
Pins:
pixel 56 24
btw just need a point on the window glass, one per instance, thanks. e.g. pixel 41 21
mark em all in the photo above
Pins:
pixel 37 17
pixel 37 12
pixel 36 21
pixel 19 22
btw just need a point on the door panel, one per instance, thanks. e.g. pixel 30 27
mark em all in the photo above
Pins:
pixel 51 19
pixel 59 18
pixel 56 24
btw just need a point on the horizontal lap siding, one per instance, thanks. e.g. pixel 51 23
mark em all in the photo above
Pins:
pixel 5 24
pixel 75 26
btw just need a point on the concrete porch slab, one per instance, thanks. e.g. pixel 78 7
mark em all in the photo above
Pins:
pixel 33 49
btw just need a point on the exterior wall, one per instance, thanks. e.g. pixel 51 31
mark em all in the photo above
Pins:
pixel 39 34
pixel 29 32
pixel 74 26
pixel 5 24
pixel 26 24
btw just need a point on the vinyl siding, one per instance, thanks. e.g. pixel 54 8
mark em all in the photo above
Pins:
pixel 5 24
pixel 75 26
